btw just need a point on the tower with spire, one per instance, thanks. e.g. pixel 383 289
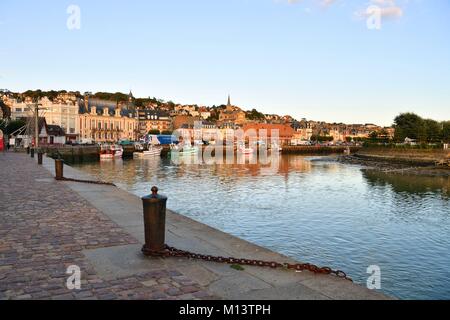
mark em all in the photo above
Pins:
pixel 229 106
pixel 130 104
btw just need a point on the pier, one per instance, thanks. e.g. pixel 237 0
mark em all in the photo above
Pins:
pixel 48 225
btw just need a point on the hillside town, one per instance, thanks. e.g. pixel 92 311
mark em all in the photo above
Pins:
pixel 74 118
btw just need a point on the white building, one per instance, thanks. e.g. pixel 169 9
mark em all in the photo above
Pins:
pixel 63 113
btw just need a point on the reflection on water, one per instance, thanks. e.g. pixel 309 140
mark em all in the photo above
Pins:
pixel 321 212
pixel 419 185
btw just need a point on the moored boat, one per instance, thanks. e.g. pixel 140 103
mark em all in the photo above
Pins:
pixel 242 149
pixel 151 152
pixel 184 149
pixel 111 152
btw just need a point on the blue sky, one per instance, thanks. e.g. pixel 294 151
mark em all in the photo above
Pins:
pixel 308 58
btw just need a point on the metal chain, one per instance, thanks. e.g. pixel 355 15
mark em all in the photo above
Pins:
pixel 174 252
pixel 88 181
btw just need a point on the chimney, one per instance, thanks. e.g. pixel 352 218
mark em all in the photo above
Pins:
pixel 94 110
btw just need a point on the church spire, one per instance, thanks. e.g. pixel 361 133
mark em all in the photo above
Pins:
pixel 229 101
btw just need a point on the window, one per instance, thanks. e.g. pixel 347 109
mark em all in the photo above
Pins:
pixel 18 109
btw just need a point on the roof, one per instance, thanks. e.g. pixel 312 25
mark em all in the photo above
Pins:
pixel 54 130
pixel 103 104
pixel 285 130
pixel 153 114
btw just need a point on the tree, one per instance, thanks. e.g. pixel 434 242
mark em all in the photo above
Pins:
pixel 254 115
pixel 373 135
pixel 12 126
pixel 446 131
pixel 6 111
pixel 409 125
pixel 321 138
pixel 433 130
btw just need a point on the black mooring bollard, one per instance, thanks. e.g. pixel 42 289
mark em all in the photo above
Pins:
pixel 59 169
pixel 32 152
pixel 40 153
pixel 154 223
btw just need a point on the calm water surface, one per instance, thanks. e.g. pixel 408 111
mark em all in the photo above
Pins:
pixel 320 212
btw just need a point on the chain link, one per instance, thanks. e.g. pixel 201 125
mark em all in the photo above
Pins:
pixel 174 252
pixel 88 181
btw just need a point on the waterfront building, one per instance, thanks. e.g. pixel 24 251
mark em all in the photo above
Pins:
pixel 55 135
pixel 62 112
pixel 303 131
pixel 19 109
pixel 154 120
pixel 183 120
pixel 105 121
pixel 285 131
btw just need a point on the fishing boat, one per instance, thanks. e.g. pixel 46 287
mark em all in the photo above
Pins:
pixel 152 151
pixel 138 146
pixel 111 152
pixel 183 149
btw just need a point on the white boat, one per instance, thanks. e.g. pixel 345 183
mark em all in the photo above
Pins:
pixel 111 152
pixel 276 148
pixel 245 150
pixel 184 149
pixel 151 152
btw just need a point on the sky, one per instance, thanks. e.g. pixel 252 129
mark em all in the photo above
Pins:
pixel 351 61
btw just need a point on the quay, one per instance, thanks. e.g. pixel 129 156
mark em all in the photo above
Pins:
pixel 48 225
pixel 79 154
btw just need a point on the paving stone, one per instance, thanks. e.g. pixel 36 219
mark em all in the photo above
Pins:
pixel 44 228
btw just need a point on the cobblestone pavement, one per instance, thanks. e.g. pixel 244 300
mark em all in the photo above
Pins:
pixel 44 227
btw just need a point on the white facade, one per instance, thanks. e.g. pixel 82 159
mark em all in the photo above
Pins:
pixel 20 110
pixel 63 114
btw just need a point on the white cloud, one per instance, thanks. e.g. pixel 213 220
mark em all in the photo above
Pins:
pixel 383 2
pixel 386 9
pixel 328 2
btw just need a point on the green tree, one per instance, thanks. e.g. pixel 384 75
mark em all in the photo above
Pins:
pixel 409 125
pixel 5 110
pixel 321 138
pixel 12 126
pixel 254 115
pixel 373 135
pixel 433 130
pixel 446 131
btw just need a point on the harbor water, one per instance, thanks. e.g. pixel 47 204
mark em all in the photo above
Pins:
pixel 315 210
